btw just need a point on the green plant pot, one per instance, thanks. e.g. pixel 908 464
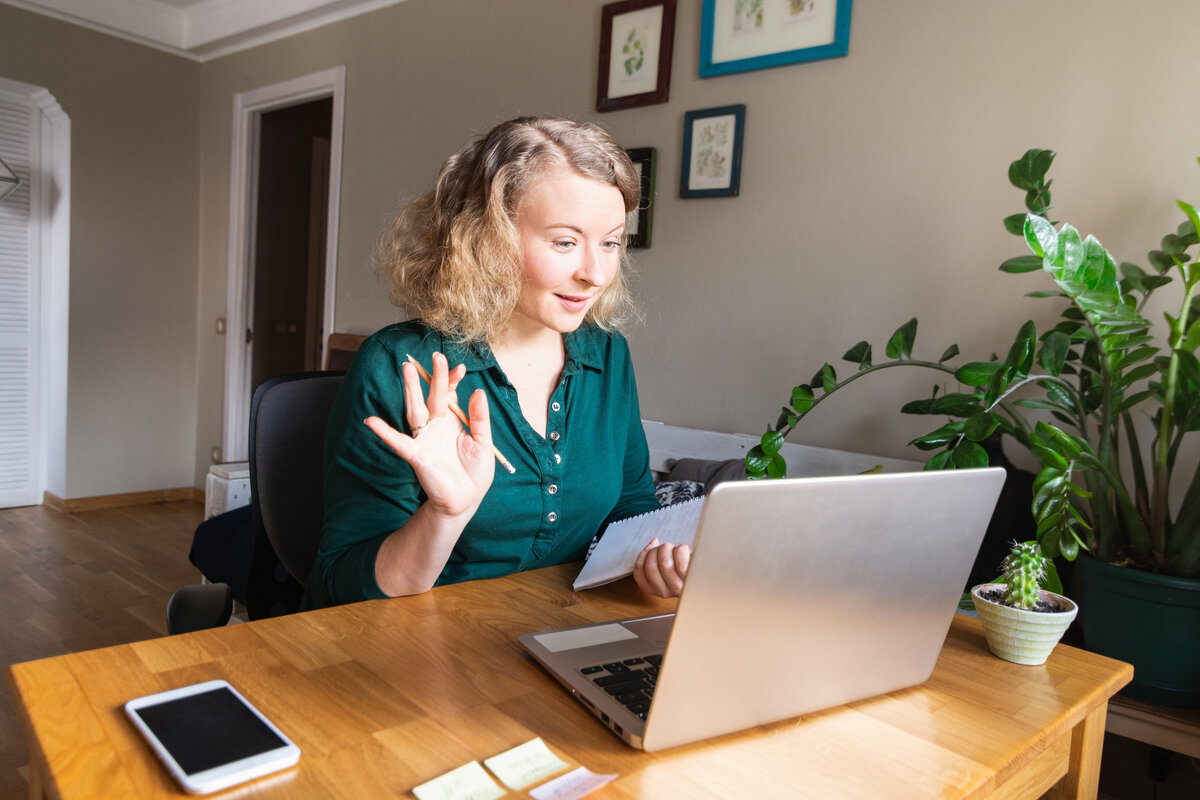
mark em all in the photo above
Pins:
pixel 1020 636
pixel 1150 621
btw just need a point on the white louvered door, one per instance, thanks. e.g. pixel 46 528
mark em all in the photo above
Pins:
pixel 20 401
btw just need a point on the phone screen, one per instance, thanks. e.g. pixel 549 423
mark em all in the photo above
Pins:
pixel 208 730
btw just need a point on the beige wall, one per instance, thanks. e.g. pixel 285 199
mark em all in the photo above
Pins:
pixel 135 144
pixel 872 190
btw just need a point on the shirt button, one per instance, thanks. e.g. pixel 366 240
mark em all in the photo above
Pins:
pixel 551 517
pixel 557 458
pixel 552 489
pixel 554 436
pixel 555 406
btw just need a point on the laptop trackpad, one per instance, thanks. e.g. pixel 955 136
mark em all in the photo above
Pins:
pixel 656 630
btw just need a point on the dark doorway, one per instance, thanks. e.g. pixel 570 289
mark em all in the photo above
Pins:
pixel 289 245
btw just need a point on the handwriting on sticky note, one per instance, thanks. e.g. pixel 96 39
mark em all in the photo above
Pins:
pixel 574 784
pixel 525 764
pixel 468 782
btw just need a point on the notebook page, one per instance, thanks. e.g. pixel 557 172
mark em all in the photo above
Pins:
pixel 618 548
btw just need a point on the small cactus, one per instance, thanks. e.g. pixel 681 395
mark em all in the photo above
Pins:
pixel 1023 571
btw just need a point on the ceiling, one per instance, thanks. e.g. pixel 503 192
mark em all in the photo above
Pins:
pixel 200 29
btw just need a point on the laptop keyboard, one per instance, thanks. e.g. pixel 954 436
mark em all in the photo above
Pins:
pixel 630 682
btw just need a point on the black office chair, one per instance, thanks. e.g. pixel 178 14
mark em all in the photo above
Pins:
pixel 288 417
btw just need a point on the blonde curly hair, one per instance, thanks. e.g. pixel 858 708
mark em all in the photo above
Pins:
pixel 453 256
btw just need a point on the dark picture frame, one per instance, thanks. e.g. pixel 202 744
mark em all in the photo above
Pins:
pixel 641 220
pixel 745 35
pixel 712 152
pixel 636 43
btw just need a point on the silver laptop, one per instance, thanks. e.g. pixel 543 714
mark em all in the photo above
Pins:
pixel 802 594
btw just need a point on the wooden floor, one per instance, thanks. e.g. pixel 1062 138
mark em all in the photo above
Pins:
pixel 71 582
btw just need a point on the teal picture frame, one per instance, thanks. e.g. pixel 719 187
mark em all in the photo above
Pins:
pixel 746 35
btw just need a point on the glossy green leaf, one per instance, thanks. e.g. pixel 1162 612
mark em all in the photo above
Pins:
pixel 1018 174
pixel 756 460
pixel 1061 442
pixel 976 373
pixel 1048 457
pixel 828 378
pixel 980 426
pixel 771 442
pixel 1098 269
pixel 776 467
pixel 1015 224
pixel 940 461
pixel 901 343
pixel 1160 261
pixel 1138 373
pixel 918 407
pixel 1020 353
pixel 859 354
pixel 1053 355
pixel 969 455
pixel 950 353
pixel 956 404
pixel 1192 340
pixel 943 436
pixel 1041 237
pixel 1042 159
pixel 1133 400
pixel 802 398
pixel 1192 215
pixel 995 387
pixel 1070 251
pixel 1019 264
pixel 1189 367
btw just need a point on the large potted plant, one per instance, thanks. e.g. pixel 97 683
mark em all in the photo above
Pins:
pixel 1105 404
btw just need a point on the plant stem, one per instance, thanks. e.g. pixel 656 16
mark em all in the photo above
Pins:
pixel 862 373
pixel 1162 454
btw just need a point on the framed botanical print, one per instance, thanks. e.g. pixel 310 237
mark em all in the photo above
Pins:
pixel 744 35
pixel 636 39
pixel 712 152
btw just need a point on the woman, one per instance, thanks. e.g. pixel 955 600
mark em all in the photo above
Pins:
pixel 513 267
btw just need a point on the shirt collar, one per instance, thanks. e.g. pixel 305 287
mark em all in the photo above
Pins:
pixel 584 347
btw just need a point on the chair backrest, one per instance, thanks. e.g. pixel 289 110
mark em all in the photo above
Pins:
pixel 288 417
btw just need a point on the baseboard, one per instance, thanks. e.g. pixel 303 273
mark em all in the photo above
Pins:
pixel 107 501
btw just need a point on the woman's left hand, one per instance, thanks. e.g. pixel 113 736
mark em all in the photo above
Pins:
pixel 661 567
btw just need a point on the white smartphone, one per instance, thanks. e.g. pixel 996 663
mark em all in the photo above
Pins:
pixel 210 737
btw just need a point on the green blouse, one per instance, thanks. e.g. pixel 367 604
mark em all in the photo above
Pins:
pixel 591 468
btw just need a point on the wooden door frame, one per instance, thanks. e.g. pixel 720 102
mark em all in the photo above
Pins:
pixel 248 108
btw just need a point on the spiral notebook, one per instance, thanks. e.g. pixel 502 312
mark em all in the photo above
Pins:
pixel 618 548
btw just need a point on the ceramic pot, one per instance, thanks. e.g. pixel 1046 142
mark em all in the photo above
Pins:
pixel 1151 621
pixel 1020 636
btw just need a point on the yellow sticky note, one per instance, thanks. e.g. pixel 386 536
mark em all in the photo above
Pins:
pixel 468 782
pixel 525 764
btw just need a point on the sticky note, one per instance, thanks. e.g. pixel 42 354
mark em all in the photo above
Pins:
pixel 525 764
pixel 468 782
pixel 574 784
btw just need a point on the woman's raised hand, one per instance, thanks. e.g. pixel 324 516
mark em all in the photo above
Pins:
pixel 455 467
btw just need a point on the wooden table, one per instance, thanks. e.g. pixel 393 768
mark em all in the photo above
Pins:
pixel 385 695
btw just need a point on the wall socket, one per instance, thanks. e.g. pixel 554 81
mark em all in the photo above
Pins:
pixel 216 455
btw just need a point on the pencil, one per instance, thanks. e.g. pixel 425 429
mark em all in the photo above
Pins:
pixel 458 412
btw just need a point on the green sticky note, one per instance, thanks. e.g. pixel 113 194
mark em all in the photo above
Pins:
pixel 525 764
pixel 468 782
